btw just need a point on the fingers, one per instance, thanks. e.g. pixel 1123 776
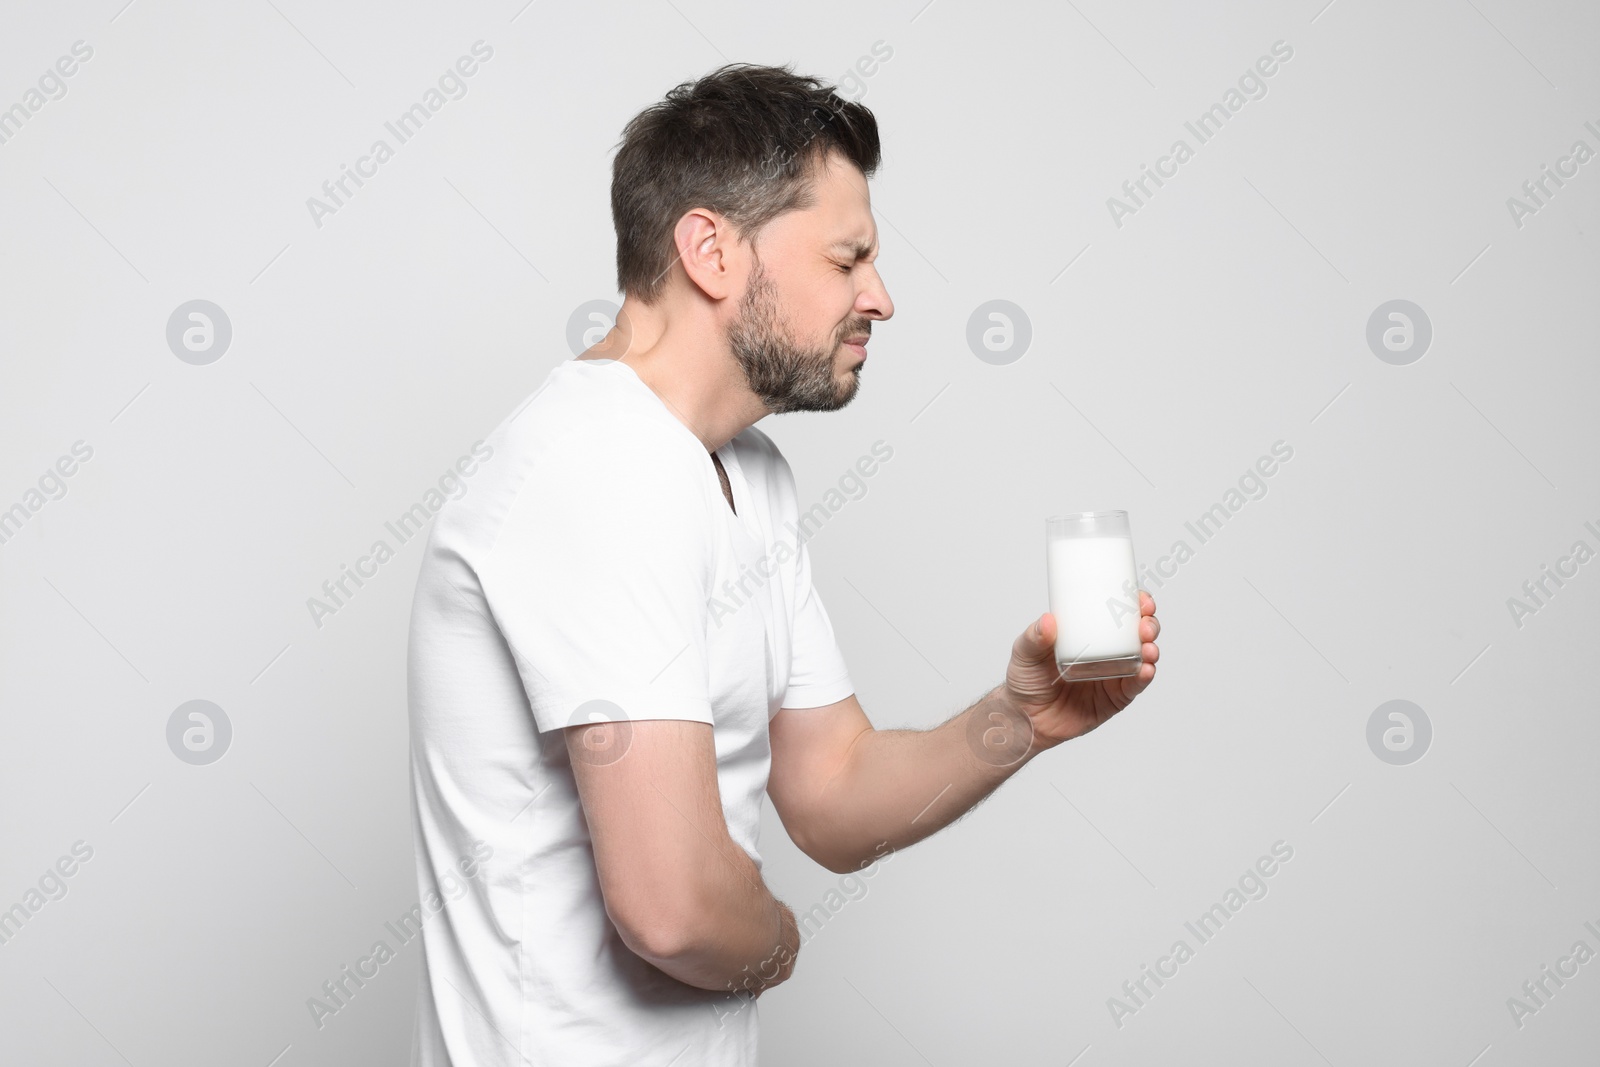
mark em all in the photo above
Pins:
pixel 1149 652
pixel 1146 675
pixel 1132 687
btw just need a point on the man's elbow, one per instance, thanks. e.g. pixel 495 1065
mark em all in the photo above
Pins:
pixel 659 930
pixel 832 861
pixel 832 858
pixel 840 857
pixel 852 865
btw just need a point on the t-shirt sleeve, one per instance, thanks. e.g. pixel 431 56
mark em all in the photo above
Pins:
pixel 817 672
pixel 598 582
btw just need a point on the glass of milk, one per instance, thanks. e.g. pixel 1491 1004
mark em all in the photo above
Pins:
pixel 1094 595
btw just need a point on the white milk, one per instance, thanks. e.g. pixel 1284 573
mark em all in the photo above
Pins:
pixel 1086 573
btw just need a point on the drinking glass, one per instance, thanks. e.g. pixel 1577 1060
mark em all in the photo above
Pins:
pixel 1094 595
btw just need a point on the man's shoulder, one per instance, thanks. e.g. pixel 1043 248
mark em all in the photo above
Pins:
pixel 585 423
pixel 577 448
pixel 586 399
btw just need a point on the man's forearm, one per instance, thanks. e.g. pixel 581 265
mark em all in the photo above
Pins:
pixel 900 786
pixel 740 938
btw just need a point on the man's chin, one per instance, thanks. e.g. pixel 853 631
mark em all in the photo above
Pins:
pixel 848 390
pixel 842 395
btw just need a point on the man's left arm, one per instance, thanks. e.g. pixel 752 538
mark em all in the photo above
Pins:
pixel 845 790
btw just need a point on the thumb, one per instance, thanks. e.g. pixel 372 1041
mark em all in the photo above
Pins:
pixel 1038 640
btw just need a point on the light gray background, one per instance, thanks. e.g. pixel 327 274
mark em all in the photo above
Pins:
pixel 1167 355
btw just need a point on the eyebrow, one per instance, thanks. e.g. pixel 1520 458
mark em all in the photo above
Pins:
pixel 859 248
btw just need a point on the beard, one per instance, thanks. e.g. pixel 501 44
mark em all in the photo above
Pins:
pixel 785 374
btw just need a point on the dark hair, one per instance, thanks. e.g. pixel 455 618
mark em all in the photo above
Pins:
pixel 742 141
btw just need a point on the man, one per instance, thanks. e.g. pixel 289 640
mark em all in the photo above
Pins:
pixel 616 655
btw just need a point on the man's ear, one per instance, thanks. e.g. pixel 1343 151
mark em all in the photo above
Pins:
pixel 704 240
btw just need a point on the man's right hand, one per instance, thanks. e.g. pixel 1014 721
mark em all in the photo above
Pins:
pixel 784 955
pixel 1060 710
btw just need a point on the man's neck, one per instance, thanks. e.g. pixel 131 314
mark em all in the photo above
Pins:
pixel 681 352
pixel 714 402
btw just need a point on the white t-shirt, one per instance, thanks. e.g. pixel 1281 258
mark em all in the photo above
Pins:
pixel 592 558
